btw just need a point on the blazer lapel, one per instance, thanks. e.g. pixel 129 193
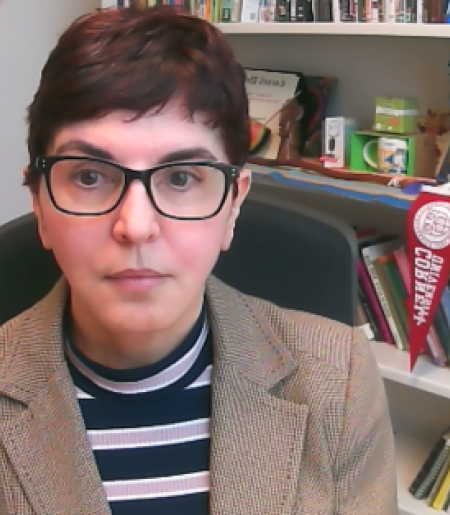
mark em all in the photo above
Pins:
pixel 47 438
pixel 257 437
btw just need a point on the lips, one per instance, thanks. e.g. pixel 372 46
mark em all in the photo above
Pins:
pixel 136 274
pixel 136 281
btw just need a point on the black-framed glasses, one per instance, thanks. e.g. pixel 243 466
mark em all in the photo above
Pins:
pixel 85 186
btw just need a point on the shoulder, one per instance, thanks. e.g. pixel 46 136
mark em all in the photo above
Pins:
pixel 9 332
pixel 336 367
pixel 310 340
pixel 310 337
pixel 32 338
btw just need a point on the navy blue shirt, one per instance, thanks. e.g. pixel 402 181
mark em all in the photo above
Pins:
pixel 149 428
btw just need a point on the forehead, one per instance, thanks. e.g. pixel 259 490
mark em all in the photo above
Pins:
pixel 145 139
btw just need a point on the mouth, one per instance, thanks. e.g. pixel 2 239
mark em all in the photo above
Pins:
pixel 136 280
pixel 144 273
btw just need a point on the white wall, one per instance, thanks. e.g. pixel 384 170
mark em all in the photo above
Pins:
pixel 28 31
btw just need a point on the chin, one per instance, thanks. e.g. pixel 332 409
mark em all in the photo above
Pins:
pixel 135 319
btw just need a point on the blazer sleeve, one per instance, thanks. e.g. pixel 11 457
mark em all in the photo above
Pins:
pixel 365 474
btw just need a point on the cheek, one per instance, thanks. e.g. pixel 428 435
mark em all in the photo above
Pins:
pixel 74 241
pixel 196 245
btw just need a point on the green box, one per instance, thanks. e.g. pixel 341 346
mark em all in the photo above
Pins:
pixel 358 141
pixel 421 148
pixel 395 115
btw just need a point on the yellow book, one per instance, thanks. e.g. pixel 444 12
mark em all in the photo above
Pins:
pixel 441 497
pixel 438 482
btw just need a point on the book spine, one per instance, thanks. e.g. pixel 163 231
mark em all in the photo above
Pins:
pixel 426 467
pixel 250 11
pixel 442 494
pixel 389 11
pixel 383 302
pixel 445 303
pixel 425 488
pixel 412 12
pixel 438 483
pixel 282 9
pixel 369 315
pixel 373 301
pixel 387 290
pixel 336 10
pixel 235 11
pixel 227 7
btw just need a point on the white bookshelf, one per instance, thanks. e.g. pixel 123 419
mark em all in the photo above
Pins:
pixel 422 30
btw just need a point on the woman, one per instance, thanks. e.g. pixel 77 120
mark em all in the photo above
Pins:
pixel 140 384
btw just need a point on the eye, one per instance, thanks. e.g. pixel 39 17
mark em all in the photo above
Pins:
pixel 179 179
pixel 88 178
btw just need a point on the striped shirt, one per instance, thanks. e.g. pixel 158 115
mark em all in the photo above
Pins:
pixel 149 428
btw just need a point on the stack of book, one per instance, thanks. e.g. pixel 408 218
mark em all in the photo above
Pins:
pixel 432 482
pixel 384 282
pixel 267 11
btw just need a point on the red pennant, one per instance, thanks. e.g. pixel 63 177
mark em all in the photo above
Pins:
pixel 428 253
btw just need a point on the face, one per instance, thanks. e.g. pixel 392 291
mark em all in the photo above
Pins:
pixel 134 270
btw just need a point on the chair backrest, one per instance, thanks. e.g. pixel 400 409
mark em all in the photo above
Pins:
pixel 295 257
pixel 292 256
pixel 27 271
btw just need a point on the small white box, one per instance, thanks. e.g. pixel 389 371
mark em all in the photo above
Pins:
pixel 336 141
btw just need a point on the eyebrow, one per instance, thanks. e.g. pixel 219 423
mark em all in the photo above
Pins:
pixel 184 154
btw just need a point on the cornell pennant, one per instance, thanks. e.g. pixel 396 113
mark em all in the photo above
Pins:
pixel 428 267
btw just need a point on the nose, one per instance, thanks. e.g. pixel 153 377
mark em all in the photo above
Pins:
pixel 137 220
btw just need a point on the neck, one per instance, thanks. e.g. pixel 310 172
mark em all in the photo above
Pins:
pixel 122 351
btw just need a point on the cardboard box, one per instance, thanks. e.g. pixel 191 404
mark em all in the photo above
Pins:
pixel 421 158
pixel 336 141
pixel 395 115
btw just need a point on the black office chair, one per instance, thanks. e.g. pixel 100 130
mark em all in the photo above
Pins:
pixel 295 257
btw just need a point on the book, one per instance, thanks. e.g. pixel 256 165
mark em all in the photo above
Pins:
pixel 370 254
pixel 444 488
pixel 372 300
pixel 423 483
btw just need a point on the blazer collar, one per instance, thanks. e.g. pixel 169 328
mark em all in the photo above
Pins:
pixel 254 463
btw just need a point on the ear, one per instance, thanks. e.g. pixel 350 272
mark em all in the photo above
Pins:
pixel 38 213
pixel 243 187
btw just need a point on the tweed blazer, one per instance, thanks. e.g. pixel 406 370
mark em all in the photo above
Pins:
pixel 299 425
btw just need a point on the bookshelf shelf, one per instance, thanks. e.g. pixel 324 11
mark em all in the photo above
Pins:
pixel 355 190
pixel 410 455
pixel 393 365
pixel 415 30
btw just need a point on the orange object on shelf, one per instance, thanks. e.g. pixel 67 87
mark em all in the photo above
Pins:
pixel 316 166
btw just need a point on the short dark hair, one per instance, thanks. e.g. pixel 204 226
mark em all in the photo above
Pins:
pixel 139 59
